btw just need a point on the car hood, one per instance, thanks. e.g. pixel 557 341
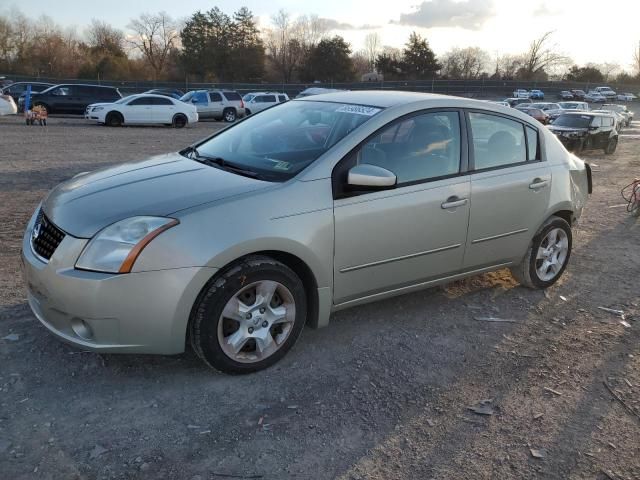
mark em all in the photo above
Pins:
pixel 159 186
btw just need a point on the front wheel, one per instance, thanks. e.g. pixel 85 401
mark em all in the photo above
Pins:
pixel 248 318
pixel 547 256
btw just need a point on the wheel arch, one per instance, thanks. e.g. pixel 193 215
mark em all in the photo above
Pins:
pixel 114 112
pixel 295 263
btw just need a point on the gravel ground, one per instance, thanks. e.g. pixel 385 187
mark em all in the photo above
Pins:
pixel 382 393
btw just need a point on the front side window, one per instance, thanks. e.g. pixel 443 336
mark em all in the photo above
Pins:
pixel 269 99
pixel 282 141
pixel 419 148
pixel 497 141
pixel 140 101
pixel 62 91
pixel 282 98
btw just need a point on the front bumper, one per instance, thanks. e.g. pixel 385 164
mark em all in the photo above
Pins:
pixel 144 312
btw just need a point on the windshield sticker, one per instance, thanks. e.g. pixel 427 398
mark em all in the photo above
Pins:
pixel 280 165
pixel 358 110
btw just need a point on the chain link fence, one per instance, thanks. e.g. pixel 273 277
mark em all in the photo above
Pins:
pixel 466 88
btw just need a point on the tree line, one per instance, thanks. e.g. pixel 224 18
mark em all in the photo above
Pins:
pixel 213 46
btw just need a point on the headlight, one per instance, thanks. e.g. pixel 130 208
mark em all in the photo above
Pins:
pixel 97 109
pixel 116 248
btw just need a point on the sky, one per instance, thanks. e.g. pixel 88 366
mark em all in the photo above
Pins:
pixel 585 30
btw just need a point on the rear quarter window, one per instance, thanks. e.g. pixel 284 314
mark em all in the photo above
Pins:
pixel 232 96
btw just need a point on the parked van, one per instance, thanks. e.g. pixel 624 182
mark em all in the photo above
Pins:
pixel 71 98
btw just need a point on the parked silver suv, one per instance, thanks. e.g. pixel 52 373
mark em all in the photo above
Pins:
pixel 236 242
pixel 224 105
pixel 257 101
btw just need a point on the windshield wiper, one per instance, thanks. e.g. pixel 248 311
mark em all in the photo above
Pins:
pixel 220 162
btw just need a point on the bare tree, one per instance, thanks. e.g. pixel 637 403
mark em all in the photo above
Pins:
pixel 289 40
pixel 609 70
pixel 361 63
pixel 541 56
pixel 636 59
pixel 102 36
pixel 155 35
pixel 465 63
pixel 372 46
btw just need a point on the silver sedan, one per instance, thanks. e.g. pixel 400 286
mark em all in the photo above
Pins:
pixel 237 242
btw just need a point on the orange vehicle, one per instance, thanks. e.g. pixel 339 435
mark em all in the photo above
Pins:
pixel 37 114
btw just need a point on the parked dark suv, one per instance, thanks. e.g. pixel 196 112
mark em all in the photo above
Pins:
pixel 72 98
pixel 580 131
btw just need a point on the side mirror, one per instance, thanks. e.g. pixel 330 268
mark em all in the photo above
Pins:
pixel 371 177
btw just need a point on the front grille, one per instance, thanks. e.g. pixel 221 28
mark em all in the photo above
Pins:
pixel 45 236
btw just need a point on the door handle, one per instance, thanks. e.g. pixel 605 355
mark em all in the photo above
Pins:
pixel 453 202
pixel 538 183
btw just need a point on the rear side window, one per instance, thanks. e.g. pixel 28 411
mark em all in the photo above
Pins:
pixel 232 96
pixel 269 98
pixel 161 101
pixel 282 98
pixel 141 101
pixel 533 148
pixel 497 141
pixel 214 96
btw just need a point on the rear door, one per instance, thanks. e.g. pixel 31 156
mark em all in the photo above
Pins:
pixel 163 110
pixel 510 189
pixel 216 105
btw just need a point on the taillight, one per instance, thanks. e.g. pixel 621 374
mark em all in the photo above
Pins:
pixel 241 103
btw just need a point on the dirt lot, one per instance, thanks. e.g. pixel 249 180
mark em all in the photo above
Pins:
pixel 383 393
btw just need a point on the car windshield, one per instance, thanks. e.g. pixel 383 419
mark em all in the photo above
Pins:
pixel 187 96
pixel 124 99
pixel 248 97
pixel 576 121
pixel 283 140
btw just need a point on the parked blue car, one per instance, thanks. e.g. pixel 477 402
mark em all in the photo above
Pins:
pixel 536 94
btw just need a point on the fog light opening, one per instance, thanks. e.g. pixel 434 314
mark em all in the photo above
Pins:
pixel 81 328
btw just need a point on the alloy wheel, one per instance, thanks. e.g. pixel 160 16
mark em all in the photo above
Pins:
pixel 552 254
pixel 256 321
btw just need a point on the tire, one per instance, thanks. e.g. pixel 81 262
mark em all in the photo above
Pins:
pixel 229 115
pixel 211 330
pixel 247 111
pixel 179 121
pixel 114 119
pixel 612 144
pixel 527 272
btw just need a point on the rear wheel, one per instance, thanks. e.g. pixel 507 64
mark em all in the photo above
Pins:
pixel 612 144
pixel 114 119
pixel 547 256
pixel 229 115
pixel 179 121
pixel 249 317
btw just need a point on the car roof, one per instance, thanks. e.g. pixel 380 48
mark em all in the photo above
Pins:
pixel 590 112
pixel 387 98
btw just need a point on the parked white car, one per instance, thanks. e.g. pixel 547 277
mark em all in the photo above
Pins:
pixel 521 93
pixel 7 105
pixel 595 97
pixel 626 97
pixel 143 109
pixel 606 92
pixel 255 102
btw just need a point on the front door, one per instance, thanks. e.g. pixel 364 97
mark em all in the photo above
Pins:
pixel 415 232
pixel 139 110
pixel 510 188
